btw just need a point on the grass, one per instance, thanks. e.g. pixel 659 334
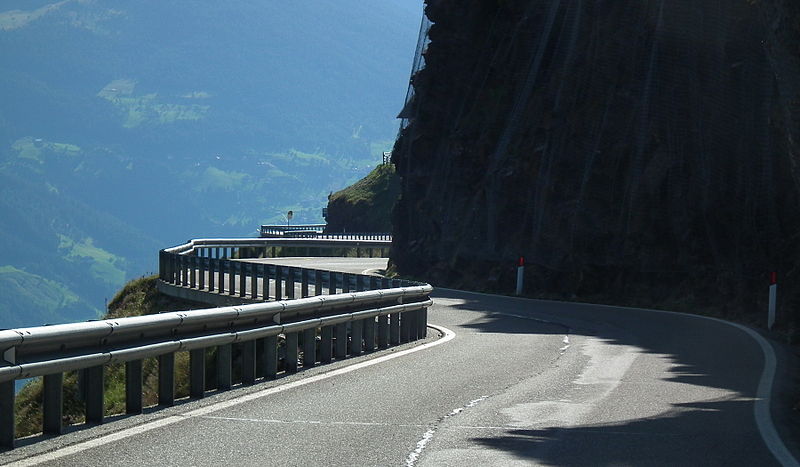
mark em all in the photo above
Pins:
pixel 368 188
pixel 138 297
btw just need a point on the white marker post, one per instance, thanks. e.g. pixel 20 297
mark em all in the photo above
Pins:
pixel 773 292
pixel 520 274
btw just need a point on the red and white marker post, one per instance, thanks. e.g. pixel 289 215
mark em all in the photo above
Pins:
pixel 520 274
pixel 773 293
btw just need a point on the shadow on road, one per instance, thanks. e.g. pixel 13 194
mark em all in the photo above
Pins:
pixel 702 352
pixel 669 439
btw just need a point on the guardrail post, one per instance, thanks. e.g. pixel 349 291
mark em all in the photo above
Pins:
pixel 242 268
pixel 341 340
pixel 422 323
pixel 290 361
pixel 211 270
pixel 169 260
pixel 394 328
pixel 345 283
pixel 405 327
pixel 221 277
pixel 166 379
pixel 359 283
pixel 231 266
pixel 94 394
pixel 413 326
pixel 254 270
pixel 7 428
pixel 197 373
pixel 332 286
pixel 176 268
pixel 168 271
pixel 224 364
pixel 133 387
pixel 264 268
pixel 248 362
pixel 309 347
pixel 317 282
pixel 183 265
pixel 278 282
pixel 326 344
pixel 290 283
pixel 304 283
pixel 356 334
pixel 53 403
pixel 369 334
pixel 270 357
pixel 203 267
pixel 383 331
pixel 192 260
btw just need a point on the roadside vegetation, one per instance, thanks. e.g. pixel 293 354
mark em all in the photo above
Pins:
pixel 365 206
pixel 138 297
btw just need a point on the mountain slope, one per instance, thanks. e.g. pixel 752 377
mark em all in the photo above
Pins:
pixel 130 126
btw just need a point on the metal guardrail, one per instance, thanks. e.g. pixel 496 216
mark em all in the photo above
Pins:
pixel 317 231
pixel 281 230
pixel 231 247
pixel 345 315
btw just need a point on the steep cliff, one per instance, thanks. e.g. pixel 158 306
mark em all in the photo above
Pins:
pixel 634 152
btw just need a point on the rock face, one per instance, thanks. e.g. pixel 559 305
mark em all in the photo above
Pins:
pixel 633 152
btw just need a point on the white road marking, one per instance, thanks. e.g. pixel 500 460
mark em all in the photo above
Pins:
pixel 310 422
pixel 448 335
pixel 413 456
pixel 566 344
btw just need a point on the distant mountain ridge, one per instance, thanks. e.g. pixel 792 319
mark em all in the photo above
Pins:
pixel 130 126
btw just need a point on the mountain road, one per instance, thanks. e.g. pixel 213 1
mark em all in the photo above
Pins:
pixel 500 381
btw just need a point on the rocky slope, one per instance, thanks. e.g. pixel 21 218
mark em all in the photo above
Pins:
pixel 633 152
pixel 365 206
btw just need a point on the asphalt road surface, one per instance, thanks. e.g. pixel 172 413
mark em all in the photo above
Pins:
pixel 349 265
pixel 510 382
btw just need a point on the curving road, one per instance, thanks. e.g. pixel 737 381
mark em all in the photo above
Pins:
pixel 513 382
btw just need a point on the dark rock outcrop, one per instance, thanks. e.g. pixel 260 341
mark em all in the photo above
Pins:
pixel 634 152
